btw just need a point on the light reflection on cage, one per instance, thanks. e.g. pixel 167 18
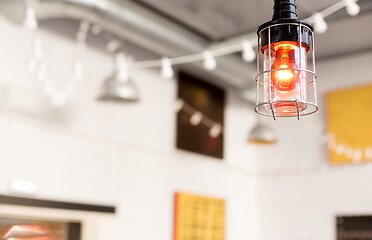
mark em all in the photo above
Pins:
pixel 296 102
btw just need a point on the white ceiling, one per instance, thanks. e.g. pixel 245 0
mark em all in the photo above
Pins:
pixel 218 20
pixel 221 19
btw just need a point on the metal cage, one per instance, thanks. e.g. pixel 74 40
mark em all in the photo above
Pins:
pixel 266 105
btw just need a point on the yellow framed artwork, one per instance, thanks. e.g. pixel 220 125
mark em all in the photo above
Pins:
pixel 198 217
pixel 350 125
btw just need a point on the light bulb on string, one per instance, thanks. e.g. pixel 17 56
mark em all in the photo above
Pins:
pixel 96 29
pixel 58 100
pixel 178 105
pixel 81 38
pixel 38 49
pixel 30 21
pixel 41 71
pixel 70 88
pixel 196 118
pixel 166 69
pixel 352 7
pixel 320 24
pixel 215 131
pixel 122 67
pixel 32 66
pixel 210 62
pixel 78 70
pixel 48 88
pixel 84 26
pixel 112 45
pixel 248 54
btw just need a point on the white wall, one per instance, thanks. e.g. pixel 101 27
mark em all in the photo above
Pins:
pixel 299 195
pixel 115 153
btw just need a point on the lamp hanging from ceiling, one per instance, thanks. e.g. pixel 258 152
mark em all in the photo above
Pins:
pixel 286 85
pixel 262 134
pixel 119 87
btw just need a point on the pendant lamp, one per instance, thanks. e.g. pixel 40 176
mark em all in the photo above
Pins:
pixel 286 80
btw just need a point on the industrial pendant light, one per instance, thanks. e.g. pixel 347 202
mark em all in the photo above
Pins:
pixel 262 135
pixel 119 87
pixel 286 86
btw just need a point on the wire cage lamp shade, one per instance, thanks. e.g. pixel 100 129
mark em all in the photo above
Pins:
pixel 286 80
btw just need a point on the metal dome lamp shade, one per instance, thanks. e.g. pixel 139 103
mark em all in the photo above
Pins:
pixel 261 134
pixel 286 81
pixel 119 87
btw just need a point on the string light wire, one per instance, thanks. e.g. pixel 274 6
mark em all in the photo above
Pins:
pixel 236 47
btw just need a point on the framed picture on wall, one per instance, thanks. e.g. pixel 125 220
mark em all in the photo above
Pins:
pixel 38 229
pixel 198 217
pixel 208 100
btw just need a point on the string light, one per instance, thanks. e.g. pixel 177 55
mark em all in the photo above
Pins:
pixel 215 131
pixel 38 49
pixel 166 70
pixel 248 54
pixel 41 71
pixel 122 67
pixel 84 26
pixel 96 29
pixel 178 105
pixel 210 62
pixel 32 66
pixel 78 70
pixel 112 45
pixel 48 87
pixel 320 25
pixel 196 118
pixel 352 7
pixel 30 21
pixel 58 100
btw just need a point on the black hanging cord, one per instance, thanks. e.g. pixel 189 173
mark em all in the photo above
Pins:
pixel 284 9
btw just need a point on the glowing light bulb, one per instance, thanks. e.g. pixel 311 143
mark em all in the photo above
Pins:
pixel 112 45
pixel 196 118
pixel 96 29
pixel 320 24
pixel 38 49
pixel 352 7
pixel 178 105
pixel 78 70
pixel 248 55
pixel 285 80
pixel 30 19
pixel 41 71
pixel 210 62
pixel 166 70
pixel 84 26
pixel 215 131
pixel 122 67
pixel 287 86
pixel 58 100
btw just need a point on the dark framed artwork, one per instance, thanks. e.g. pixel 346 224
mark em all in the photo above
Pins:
pixel 38 229
pixel 354 227
pixel 208 100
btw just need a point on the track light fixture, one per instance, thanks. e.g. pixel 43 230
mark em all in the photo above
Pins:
pixel 283 79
